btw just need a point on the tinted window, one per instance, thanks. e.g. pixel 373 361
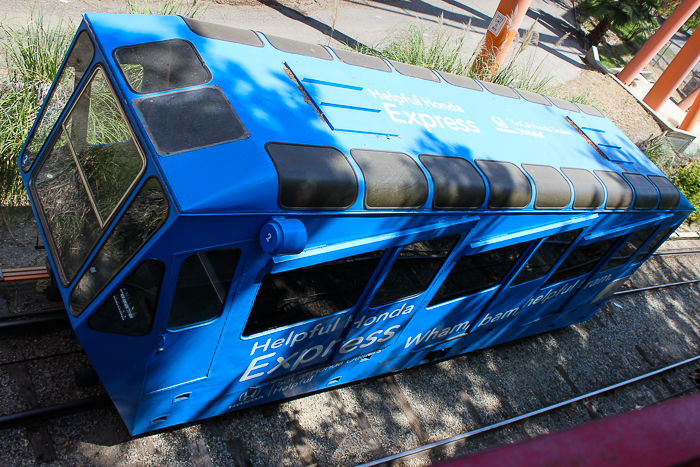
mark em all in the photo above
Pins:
pixel 313 177
pixel 190 120
pixel 140 220
pixel 581 260
pixel 629 248
pixel 73 71
pixel 67 209
pixel 298 47
pixel 161 66
pixel 546 256
pixel 392 179
pixel 551 189
pixel 102 142
pixel 221 32
pixel 131 308
pixel 293 296
pixel 509 187
pixel 654 243
pixel 478 272
pixel 93 164
pixel 414 269
pixel 202 286
pixel 457 183
pixel 588 191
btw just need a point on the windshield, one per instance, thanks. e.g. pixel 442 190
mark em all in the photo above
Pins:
pixel 90 168
pixel 73 71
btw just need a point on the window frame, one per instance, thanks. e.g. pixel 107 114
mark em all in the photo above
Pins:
pixel 368 288
pixel 155 307
pixel 105 224
pixel 106 235
pixel 141 93
pixel 176 265
pixel 50 139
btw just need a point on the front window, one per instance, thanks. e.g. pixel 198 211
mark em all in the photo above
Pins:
pixel 92 165
pixel 73 71
pixel 140 220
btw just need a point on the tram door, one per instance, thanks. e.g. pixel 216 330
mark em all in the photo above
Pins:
pixel 186 342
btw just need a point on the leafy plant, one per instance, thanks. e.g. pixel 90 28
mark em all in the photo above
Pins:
pixel 443 52
pixel 618 13
pixel 18 109
pixel 687 179
pixel 34 52
pixel 166 7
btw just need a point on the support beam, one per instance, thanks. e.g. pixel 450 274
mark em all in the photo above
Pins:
pixel 652 46
pixel 500 33
pixel 690 120
pixel 673 76
pixel 688 100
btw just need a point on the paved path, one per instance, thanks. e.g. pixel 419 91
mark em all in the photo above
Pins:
pixel 364 21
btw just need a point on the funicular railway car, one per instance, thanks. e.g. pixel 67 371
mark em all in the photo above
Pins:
pixel 233 217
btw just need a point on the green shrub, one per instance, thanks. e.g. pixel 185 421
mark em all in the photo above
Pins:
pixel 18 110
pixel 687 179
pixel 443 52
pixel 34 52
pixel 166 7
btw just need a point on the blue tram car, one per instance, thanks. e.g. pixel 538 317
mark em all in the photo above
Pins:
pixel 234 217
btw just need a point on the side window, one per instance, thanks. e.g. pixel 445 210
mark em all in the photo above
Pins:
pixel 653 244
pixel 73 71
pixel 91 167
pixel 414 270
pixel 582 260
pixel 546 256
pixel 202 286
pixel 131 308
pixel 294 296
pixel 478 272
pixel 629 248
pixel 140 220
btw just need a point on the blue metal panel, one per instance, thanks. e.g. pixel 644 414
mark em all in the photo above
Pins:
pixel 224 194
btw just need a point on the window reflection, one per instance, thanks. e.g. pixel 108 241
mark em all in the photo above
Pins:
pixel 145 214
pixel 73 71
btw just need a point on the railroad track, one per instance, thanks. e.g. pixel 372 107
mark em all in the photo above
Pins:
pixel 356 416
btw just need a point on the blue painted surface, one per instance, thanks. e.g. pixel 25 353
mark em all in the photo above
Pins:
pixel 226 195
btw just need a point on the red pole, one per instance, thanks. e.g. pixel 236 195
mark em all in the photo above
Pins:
pixel 500 33
pixel 688 100
pixel 690 120
pixel 677 70
pixel 652 46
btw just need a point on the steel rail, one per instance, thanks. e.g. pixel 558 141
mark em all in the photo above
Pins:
pixel 427 447
pixel 11 320
pixel 654 287
pixel 23 274
pixel 53 411
pixel 675 252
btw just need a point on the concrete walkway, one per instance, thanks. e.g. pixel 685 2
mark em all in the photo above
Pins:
pixel 371 23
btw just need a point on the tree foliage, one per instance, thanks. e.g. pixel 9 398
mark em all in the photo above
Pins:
pixel 618 13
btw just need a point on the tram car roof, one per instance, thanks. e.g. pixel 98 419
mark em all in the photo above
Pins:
pixel 243 121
